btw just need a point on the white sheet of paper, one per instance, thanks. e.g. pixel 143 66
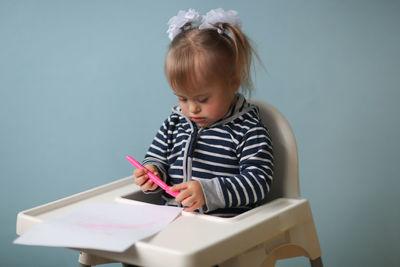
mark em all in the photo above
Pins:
pixel 103 226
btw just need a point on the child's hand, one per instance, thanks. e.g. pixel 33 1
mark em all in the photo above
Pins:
pixel 142 180
pixel 191 195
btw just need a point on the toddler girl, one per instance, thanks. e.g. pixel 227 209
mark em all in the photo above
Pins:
pixel 213 148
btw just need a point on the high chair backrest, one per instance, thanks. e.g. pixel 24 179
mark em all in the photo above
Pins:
pixel 286 171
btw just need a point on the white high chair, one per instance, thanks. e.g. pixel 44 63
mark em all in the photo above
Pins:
pixel 282 227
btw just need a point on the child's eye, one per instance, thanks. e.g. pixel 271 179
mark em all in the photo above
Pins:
pixel 203 100
pixel 181 99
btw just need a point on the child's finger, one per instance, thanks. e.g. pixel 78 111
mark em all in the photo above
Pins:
pixel 153 187
pixel 139 172
pixel 194 207
pixel 152 168
pixel 188 201
pixel 141 180
pixel 183 195
pixel 178 187
pixel 147 185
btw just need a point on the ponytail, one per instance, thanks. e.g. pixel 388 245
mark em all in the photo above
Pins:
pixel 243 56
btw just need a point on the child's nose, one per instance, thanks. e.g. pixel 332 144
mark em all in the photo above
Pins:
pixel 194 108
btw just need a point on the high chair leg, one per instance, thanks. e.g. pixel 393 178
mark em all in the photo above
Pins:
pixel 316 263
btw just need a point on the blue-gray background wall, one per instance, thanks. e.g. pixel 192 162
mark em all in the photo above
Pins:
pixel 82 85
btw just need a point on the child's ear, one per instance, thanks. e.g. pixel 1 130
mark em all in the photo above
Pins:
pixel 235 83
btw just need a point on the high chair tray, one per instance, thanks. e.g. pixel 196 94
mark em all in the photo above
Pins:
pixel 191 240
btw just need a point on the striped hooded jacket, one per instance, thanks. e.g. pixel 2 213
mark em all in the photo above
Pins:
pixel 232 159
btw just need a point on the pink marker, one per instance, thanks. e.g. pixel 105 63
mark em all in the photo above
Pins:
pixel 153 177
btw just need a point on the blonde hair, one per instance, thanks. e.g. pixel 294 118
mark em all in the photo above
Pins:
pixel 196 57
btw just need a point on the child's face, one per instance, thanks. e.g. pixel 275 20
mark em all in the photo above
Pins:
pixel 207 105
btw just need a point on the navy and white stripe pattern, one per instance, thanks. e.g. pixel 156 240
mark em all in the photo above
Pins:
pixel 232 159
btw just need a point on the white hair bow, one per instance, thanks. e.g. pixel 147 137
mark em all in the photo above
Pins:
pixel 189 19
pixel 212 20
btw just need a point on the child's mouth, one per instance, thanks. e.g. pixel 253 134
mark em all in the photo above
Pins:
pixel 198 119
